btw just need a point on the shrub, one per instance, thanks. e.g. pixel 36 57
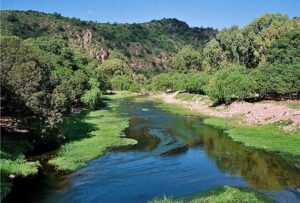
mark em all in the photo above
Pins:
pixel 121 82
pixel 231 83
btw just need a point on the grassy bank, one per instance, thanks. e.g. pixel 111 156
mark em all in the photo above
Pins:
pixel 224 194
pixel 90 134
pixel 13 162
pixel 267 137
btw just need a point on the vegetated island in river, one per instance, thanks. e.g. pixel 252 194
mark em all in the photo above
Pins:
pixel 52 64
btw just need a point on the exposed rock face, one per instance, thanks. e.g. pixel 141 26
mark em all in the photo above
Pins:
pixel 87 39
pixel 163 59
pixel 99 54
pixel 140 63
pixel 136 49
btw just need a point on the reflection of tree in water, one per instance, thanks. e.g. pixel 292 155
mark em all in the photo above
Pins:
pixel 260 169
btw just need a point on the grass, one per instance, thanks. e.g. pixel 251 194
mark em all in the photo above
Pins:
pixel 91 133
pixel 13 162
pixel 267 137
pixel 119 95
pixel 193 97
pixel 224 194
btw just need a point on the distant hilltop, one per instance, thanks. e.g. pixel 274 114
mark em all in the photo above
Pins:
pixel 147 45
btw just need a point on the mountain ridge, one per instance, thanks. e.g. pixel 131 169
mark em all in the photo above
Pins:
pixel 147 45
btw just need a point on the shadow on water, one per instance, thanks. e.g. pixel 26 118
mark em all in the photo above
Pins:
pixel 175 155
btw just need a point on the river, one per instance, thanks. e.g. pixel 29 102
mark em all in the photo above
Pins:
pixel 175 156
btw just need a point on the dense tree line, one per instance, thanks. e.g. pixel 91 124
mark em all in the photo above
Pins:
pixel 258 61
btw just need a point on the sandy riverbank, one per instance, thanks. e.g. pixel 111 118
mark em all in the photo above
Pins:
pixel 260 113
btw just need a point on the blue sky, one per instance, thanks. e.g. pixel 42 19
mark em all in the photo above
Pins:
pixel 207 13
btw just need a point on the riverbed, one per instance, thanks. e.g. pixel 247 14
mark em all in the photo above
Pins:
pixel 175 156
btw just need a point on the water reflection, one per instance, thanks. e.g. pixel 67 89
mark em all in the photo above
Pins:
pixel 262 170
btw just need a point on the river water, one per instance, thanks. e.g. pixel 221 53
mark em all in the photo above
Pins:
pixel 175 156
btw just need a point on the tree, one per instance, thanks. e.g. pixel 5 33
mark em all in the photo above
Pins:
pixel 231 83
pixel 248 46
pixel 25 85
pixel 121 82
pixel 277 79
pixel 197 82
pixel 113 67
pixel 286 49
pixel 116 54
pixel 92 97
pixel 187 59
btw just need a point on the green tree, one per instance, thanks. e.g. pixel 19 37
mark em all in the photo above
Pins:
pixel 92 97
pixel 277 79
pixel 197 82
pixel 121 82
pixel 231 83
pixel 286 49
pixel 113 67
pixel 26 86
pixel 187 59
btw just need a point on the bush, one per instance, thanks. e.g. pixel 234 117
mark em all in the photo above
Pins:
pixel 169 81
pixel 121 82
pixel 92 97
pixel 277 79
pixel 231 83
pixel 197 82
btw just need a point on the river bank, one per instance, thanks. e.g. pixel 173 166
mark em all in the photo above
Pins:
pixel 88 134
pixel 274 135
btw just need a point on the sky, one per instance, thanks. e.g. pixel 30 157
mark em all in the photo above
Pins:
pixel 207 13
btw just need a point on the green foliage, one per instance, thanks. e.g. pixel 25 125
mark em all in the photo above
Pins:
pixel 92 97
pixel 285 50
pixel 13 162
pixel 248 46
pixel 277 79
pixel 197 82
pixel 25 83
pixel 121 82
pixel 116 54
pixel 114 67
pixel 187 59
pixel 224 194
pixel 138 42
pixel 231 83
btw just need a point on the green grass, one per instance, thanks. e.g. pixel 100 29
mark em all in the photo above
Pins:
pixel 193 97
pixel 224 194
pixel 266 137
pixel 13 162
pixel 90 134
pixel 120 95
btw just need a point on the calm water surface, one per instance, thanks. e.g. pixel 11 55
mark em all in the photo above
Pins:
pixel 176 156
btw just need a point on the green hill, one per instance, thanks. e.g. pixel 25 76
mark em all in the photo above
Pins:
pixel 147 45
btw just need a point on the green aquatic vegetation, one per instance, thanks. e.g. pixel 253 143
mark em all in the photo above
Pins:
pixel 90 134
pixel 224 194
pixel 116 95
pixel 13 162
pixel 266 137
